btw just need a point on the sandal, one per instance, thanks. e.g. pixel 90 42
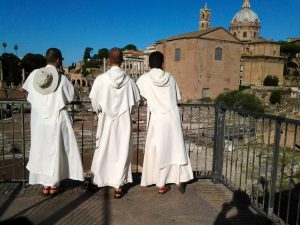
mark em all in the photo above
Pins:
pixel 163 190
pixel 55 191
pixel 118 193
pixel 46 191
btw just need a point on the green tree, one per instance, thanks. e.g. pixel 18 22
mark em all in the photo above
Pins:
pixel 16 49
pixel 4 45
pixel 275 97
pixel 103 53
pixel 289 49
pixel 87 53
pixel 242 100
pixel 296 73
pixel 12 72
pixel 130 47
pixel 271 81
pixel 31 62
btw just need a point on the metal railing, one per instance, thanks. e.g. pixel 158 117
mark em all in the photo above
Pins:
pixel 198 129
pixel 259 155
pixel 254 153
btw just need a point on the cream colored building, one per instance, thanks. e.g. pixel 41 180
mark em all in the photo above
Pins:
pixel 204 63
pixel 260 57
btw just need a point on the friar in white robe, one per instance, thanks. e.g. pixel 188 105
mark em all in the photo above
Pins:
pixel 166 160
pixel 113 95
pixel 54 153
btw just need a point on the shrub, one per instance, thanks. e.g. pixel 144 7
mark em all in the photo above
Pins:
pixel 206 100
pixel 271 81
pixel 296 73
pixel 275 97
pixel 243 87
pixel 241 100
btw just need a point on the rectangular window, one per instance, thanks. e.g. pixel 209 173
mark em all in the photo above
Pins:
pixel 177 54
pixel 205 93
pixel 244 34
pixel 218 54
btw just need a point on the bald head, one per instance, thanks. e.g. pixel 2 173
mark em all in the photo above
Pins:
pixel 115 56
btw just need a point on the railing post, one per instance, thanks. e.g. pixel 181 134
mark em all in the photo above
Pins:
pixel 274 168
pixel 218 151
pixel 23 144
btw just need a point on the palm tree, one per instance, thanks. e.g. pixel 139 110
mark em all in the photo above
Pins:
pixel 4 45
pixel 16 48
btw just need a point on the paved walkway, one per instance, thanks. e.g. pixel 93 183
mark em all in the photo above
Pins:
pixel 203 204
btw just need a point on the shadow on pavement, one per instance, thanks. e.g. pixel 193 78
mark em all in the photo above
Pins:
pixel 17 221
pixel 238 210
pixel 9 199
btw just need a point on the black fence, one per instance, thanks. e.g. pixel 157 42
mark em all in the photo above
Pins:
pixel 256 154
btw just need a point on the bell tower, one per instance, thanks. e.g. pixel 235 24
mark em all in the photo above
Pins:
pixel 204 20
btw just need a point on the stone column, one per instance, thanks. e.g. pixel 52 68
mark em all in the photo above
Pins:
pixel 104 65
pixel 23 76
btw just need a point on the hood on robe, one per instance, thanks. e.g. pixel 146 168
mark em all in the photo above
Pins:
pixel 116 77
pixel 159 77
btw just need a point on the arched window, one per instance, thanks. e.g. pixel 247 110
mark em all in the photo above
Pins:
pixel 177 54
pixel 78 82
pixel 218 54
pixel 73 82
pixel 83 83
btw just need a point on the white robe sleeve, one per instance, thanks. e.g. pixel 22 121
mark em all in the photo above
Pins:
pixel 137 97
pixel 68 90
pixel 28 83
pixel 93 96
pixel 139 84
pixel 177 92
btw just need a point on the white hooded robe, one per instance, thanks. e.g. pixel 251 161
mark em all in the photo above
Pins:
pixel 166 159
pixel 54 153
pixel 114 94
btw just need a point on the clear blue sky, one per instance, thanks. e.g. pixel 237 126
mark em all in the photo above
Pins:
pixel 35 25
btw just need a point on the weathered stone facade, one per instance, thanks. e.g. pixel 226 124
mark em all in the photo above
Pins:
pixel 204 63
pixel 261 58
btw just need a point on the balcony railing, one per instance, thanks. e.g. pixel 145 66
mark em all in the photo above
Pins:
pixel 256 154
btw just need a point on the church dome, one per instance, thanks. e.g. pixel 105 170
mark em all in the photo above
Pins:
pixel 245 25
pixel 246 15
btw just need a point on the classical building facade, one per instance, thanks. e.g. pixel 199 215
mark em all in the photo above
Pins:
pixel 205 63
pixel 136 63
pixel 260 57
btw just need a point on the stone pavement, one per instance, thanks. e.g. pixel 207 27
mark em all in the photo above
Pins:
pixel 203 203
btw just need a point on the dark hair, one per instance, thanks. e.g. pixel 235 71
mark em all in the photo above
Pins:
pixel 115 56
pixel 156 60
pixel 53 54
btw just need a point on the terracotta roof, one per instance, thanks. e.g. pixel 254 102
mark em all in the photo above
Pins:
pixel 262 40
pixel 196 34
